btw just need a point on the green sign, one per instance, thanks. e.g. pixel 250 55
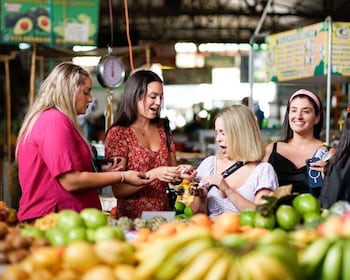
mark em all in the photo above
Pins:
pixel 55 22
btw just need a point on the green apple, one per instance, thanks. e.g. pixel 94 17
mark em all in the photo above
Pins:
pixel 247 217
pixel 108 233
pixel 68 219
pixel 56 236
pixel 94 218
pixel 30 230
pixel 90 235
pixel 74 234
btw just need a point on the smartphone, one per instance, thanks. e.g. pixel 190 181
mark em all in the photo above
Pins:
pixel 314 177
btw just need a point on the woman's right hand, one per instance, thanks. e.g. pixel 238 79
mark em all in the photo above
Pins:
pixel 198 189
pixel 136 178
pixel 165 173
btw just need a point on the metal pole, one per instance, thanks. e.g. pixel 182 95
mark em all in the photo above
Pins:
pixel 329 80
pixel 251 54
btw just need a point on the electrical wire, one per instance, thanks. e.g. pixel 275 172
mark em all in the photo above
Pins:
pixel 111 22
pixel 131 59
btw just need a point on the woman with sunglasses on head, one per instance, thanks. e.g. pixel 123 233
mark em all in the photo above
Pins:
pixel 55 162
pixel 302 125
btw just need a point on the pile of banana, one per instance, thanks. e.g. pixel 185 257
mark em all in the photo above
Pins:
pixel 195 254
pixel 327 258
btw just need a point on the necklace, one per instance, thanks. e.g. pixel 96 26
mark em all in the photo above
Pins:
pixel 141 130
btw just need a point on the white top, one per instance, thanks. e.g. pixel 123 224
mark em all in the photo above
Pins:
pixel 263 177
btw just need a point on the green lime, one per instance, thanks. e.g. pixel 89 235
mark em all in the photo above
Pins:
pixel 188 211
pixel 287 217
pixel 179 207
pixel 247 217
pixel 306 202
pixel 312 217
pixel 268 222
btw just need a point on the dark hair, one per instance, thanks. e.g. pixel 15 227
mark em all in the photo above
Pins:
pixel 135 89
pixel 287 132
pixel 343 148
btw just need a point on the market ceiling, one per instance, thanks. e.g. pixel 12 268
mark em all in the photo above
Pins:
pixel 211 21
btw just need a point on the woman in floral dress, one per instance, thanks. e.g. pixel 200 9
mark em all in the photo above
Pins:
pixel 139 138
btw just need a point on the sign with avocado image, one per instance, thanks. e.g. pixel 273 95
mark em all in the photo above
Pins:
pixel 303 52
pixel 61 23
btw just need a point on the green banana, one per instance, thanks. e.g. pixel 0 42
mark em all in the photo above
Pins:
pixel 312 258
pixel 331 268
pixel 199 266
pixel 346 259
pixel 284 253
pixel 182 257
pixel 161 249
pixel 219 269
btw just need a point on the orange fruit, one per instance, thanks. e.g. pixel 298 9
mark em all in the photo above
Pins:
pixel 287 217
pixel 201 219
pixel 225 223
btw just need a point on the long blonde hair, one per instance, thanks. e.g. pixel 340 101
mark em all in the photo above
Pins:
pixel 59 90
pixel 244 139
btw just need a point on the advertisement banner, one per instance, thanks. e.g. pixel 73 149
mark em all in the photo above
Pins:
pixel 53 23
pixel 297 53
pixel 303 52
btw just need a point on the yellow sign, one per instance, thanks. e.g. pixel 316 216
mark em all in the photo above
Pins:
pixel 303 52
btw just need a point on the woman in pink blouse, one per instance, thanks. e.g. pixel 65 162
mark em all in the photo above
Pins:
pixel 55 166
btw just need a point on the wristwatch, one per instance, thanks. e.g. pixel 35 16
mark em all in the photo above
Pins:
pixel 110 71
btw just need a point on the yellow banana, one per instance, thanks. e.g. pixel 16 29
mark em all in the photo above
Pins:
pixel 219 269
pixel 250 265
pixel 312 257
pixel 182 257
pixel 264 266
pixel 199 267
pixel 331 267
pixel 234 271
pixel 284 253
pixel 161 249
pixel 346 259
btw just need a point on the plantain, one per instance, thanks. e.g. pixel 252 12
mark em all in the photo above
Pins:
pixel 346 259
pixel 264 266
pixel 219 269
pixel 164 248
pixel 234 271
pixel 286 254
pixel 182 257
pixel 311 259
pixel 200 265
pixel 331 268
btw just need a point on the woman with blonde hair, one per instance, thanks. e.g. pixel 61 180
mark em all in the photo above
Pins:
pixel 55 165
pixel 237 172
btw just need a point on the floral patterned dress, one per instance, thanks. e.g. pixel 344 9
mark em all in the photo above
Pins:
pixel 121 141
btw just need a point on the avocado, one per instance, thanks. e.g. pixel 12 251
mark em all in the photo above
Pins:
pixel 41 11
pixel 44 23
pixel 12 18
pixel 31 13
pixel 23 26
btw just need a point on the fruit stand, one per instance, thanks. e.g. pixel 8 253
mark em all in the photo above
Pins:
pixel 280 239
